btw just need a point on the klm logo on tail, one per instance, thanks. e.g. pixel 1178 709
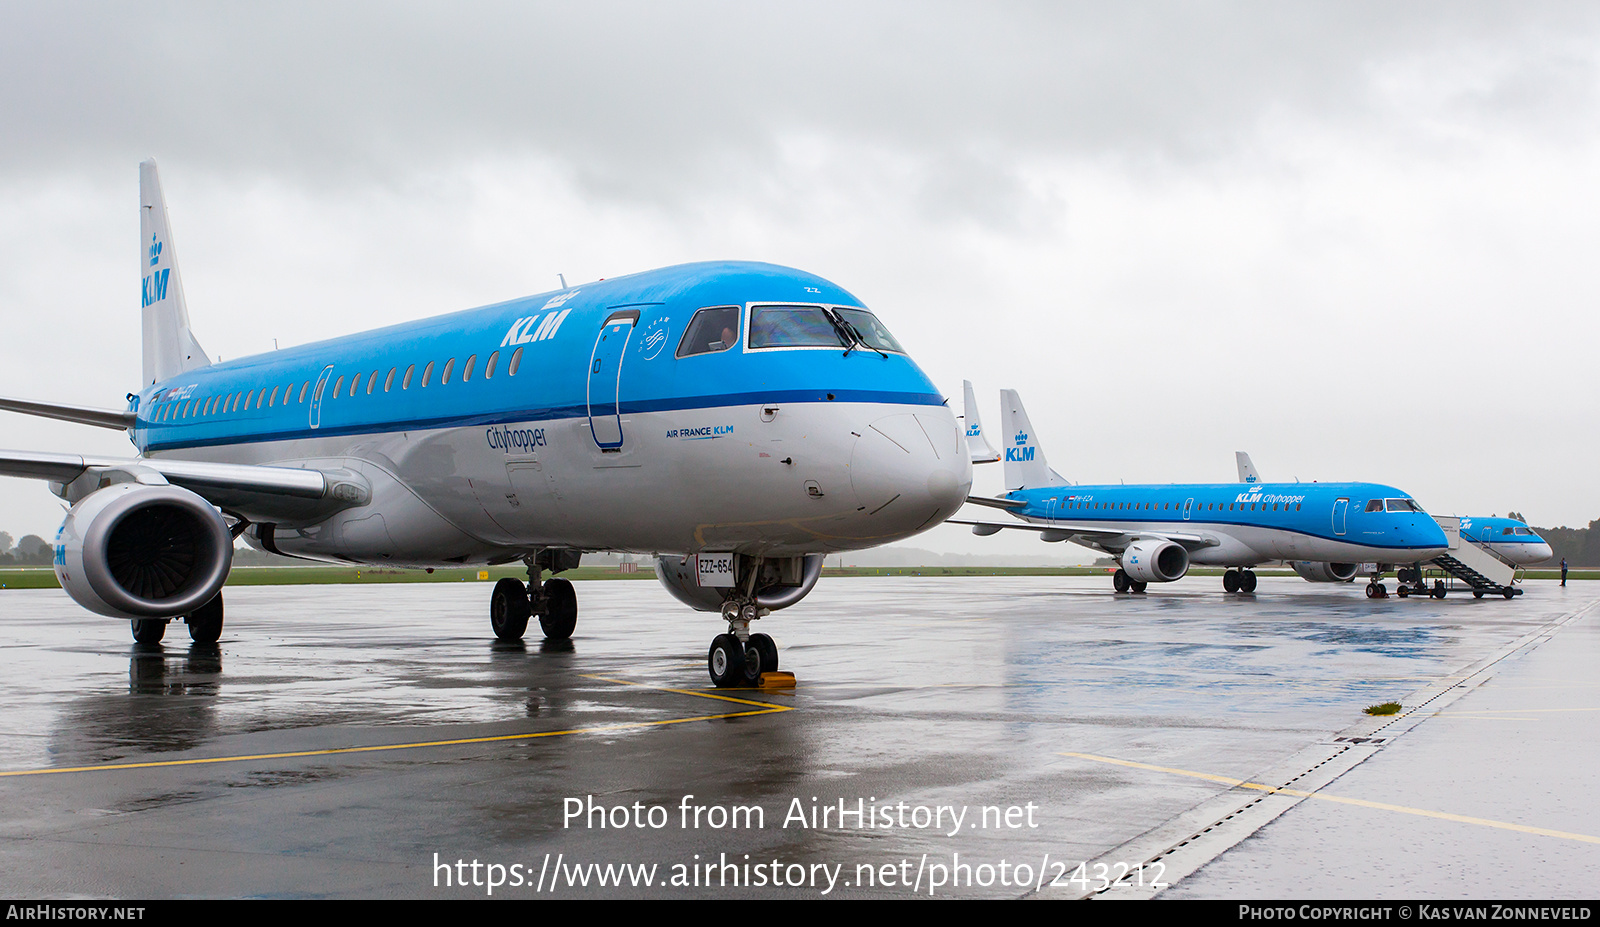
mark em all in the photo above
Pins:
pixel 155 286
pixel 1018 453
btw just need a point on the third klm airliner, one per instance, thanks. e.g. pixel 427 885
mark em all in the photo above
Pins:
pixel 1156 531
pixel 737 420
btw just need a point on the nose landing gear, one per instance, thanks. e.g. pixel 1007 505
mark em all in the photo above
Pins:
pixel 738 658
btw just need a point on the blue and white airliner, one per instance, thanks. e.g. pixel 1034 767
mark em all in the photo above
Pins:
pixel 1157 531
pixel 1509 538
pixel 737 420
pixel 1513 540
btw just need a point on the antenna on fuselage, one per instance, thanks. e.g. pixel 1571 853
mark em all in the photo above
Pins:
pixel 563 280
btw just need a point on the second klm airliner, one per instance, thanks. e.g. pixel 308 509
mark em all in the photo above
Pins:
pixel 1156 531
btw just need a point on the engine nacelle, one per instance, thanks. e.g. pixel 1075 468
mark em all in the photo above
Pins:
pixel 134 550
pixel 1154 560
pixel 782 581
pixel 1314 572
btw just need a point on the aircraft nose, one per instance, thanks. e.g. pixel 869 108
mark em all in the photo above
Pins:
pixel 908 469
pixel 1542 552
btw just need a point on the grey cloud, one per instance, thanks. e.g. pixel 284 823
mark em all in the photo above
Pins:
pixel 643 97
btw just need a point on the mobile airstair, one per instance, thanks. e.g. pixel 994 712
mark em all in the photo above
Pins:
pixel 1465 563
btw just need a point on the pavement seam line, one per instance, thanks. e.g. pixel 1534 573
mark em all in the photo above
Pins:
pixel 1360 802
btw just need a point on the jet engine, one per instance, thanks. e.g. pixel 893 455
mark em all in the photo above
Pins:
pixel 1314 572
pixel 1154 560
pixel 135 550
pixel 780 581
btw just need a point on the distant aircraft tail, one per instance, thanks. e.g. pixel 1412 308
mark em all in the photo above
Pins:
pixel 1247 470
pixel 170 347
pixel 1025 465
pixel 977 442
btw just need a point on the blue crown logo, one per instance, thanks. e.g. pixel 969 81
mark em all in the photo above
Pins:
pixel 155 251
pixel 1022 437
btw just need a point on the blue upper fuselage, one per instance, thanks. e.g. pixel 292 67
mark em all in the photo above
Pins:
pixel 1367 514
pixel 526 360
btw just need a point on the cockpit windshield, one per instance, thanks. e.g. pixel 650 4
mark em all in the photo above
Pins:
pixel 1401 505
pixel 870 330
pixel 794 326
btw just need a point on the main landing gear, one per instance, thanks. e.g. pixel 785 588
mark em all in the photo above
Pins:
pixel 1122 582
pixel 205 625
pixel 738 658
pixel 1242 581
pixel 553 600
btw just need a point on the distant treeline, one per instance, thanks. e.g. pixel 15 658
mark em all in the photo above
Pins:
pixel 1581 546
pixel 32 550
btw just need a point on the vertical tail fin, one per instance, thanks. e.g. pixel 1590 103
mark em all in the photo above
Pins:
pixel 169 346
pixel 977 442
pixel 1025 466
pixel 1247 470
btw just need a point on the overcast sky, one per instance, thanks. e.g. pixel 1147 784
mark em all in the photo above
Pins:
pixel 1355 239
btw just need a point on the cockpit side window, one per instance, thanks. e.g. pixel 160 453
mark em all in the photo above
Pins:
pixel 870 329
pixel 1376 505
pixel 1505 531
pixel 793 327
pixel 710 331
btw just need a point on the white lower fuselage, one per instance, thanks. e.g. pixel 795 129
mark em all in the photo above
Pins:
pixel 777 480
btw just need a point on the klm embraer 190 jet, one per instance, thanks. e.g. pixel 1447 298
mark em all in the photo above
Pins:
pixel 1512 540
pixel 738 420
pixel 1157 531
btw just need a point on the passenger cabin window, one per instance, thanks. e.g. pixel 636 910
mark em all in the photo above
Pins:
pixel 488 368
pixel 711 331
pixel 516 361
pixel 793 326
pixel 372 382
pixel 466 372
pixel 427 374
pixel 449 366
pixel 355 384
pixel 303 390
pixel 406 383
pixel 870 330
pixel 388 381
pixel 337 386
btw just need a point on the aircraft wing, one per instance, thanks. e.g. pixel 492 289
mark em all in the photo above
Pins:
pixel 1062 532
pixel 259 493
pixel 102 418
pixel 997 503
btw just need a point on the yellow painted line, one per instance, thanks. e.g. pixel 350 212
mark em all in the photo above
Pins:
pixel 1360 802
pixel 764 708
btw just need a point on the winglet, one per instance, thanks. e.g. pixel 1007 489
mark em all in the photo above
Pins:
pixel 977 442
pixel 1247 470
pixel 170 347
